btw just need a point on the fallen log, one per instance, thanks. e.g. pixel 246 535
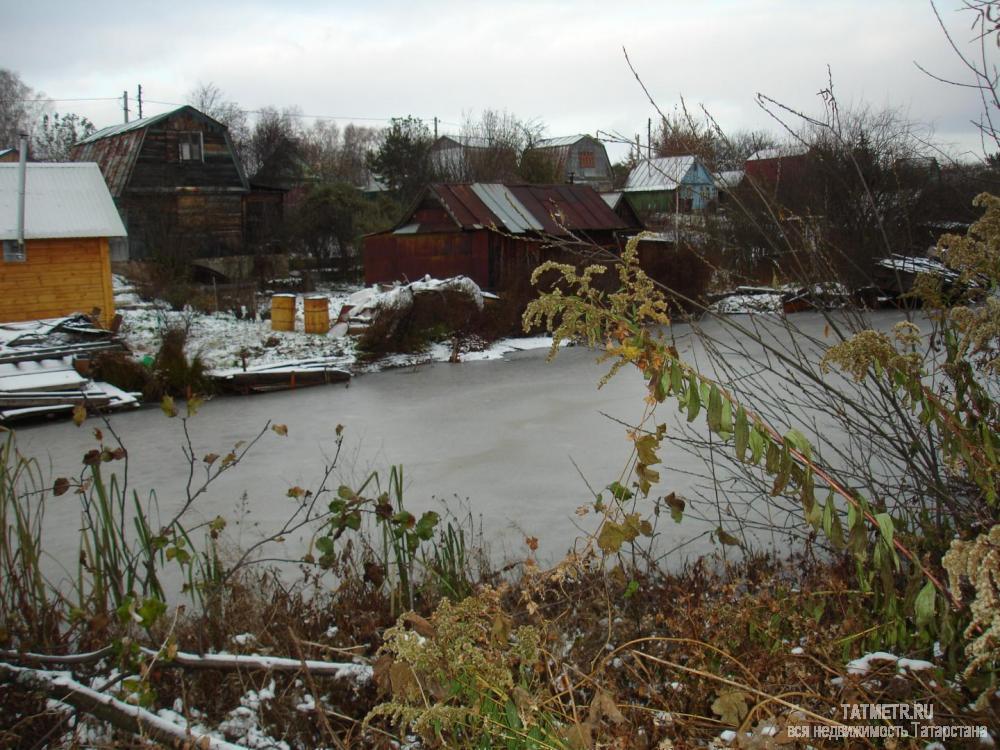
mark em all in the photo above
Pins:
pixel 133 719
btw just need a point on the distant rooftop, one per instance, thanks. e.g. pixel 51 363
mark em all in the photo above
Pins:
pixel 664 173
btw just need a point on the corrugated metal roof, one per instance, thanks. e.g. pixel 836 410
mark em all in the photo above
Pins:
pixel 505 206
pixel 61 200
pixel 664 173
pixel 519 209
pixel 127 126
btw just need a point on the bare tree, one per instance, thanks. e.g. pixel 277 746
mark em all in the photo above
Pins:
pixel 20 107
pixel 979 65
pixel 208 98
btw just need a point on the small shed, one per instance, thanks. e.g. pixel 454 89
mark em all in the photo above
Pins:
pixel 494 233
pixel 69 218
pixel 670 184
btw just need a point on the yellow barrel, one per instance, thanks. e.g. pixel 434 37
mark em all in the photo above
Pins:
pixel 283 312
pixel 317 314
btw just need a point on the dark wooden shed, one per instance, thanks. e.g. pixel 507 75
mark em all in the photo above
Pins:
pixel 495 234
pixel 176 182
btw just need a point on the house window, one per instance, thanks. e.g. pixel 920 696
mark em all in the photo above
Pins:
pixel 13 252
pixel 190 146
pixel 586 160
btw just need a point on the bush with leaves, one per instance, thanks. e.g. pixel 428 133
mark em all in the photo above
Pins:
pixel 948 389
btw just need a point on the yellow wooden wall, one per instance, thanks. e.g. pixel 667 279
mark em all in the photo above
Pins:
pixel 59 277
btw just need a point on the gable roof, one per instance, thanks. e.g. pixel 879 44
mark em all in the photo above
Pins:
pixel 520 209
pixel 143 123
pixel 561 141
pixel 117 147
pixel 663 173
pixel 60 201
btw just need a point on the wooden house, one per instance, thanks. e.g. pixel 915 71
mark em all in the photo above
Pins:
pixel 69 219
pixel 669 185
pixel 177 183
pixel 578 159
pixel 495 234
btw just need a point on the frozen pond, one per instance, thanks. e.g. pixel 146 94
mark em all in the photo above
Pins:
pixel 502 439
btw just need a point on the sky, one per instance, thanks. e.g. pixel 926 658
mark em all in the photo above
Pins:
pixel 561 63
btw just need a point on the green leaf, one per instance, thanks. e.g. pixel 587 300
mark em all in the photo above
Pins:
pixel 742 434
pixel 353 520
pixel 798 441
pixel 714 409
pixel 727 417
pixel 924 604
pixel 886 526
pixel 694 400
pixel 150 611
pixel 425 526
pixel 831 523
pixel 676 378
pixel 344 492
pixel 757 445
pixel 325 545
pixel 631 589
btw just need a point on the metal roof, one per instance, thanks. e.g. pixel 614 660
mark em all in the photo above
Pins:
pixel 61 200
pixel 560 141
pixel 127 126
pixel 664 173
pixel 520 209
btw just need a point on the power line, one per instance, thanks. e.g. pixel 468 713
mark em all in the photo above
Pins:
pixel 47 99
pixel 299 114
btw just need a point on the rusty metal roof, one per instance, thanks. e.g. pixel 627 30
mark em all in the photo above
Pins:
pixel 521 209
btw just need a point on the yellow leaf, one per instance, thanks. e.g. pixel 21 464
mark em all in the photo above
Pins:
pixel 731 706
pixel 79 414
pixel 167 405
pixel 193 404
pixel 280 429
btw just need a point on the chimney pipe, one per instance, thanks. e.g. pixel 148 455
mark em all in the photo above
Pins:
pixel 22 170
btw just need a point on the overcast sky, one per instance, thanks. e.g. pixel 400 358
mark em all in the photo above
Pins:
pixel 560 62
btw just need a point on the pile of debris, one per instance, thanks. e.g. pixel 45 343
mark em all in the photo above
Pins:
pixel 45 364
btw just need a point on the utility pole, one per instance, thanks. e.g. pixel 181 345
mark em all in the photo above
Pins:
pixel 140 101
pixel 435 128
pixel 649 136
pixel 125 104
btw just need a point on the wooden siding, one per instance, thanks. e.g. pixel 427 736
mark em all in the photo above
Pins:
pixel 159 166
pixel 397 257
pixel 59 277
pixel 202 224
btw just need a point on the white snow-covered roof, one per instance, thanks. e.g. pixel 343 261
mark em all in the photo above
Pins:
pixel 664 173
pixel 61 201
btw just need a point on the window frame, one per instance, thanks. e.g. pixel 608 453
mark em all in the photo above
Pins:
pixel 185 138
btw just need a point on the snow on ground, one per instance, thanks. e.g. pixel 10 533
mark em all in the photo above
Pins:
pixel 737 304
pixel 223 341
